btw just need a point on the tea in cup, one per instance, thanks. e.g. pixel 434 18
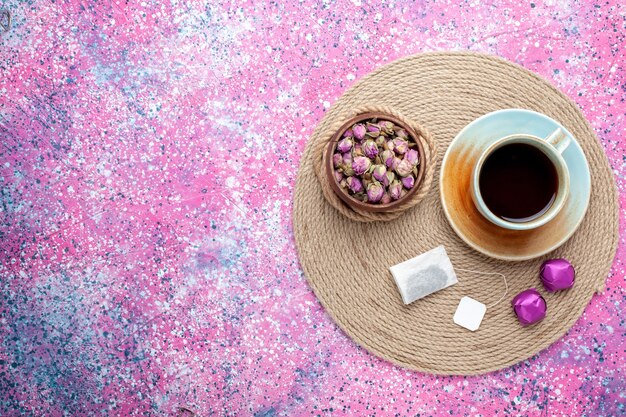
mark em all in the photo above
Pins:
pixel 521 181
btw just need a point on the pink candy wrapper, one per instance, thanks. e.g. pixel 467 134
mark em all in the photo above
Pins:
pixel 529 307
pixel 557 274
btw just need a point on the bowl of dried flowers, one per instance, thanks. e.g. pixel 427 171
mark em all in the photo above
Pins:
pixel 375 162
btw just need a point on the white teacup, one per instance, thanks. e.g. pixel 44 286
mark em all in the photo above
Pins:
pixel 552 146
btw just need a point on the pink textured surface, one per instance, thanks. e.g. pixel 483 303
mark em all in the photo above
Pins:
pixel 149 154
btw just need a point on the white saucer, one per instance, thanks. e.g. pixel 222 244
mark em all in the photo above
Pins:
pixel 471 226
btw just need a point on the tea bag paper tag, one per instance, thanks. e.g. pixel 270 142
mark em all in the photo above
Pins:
pixel 469 313
pixel 425 274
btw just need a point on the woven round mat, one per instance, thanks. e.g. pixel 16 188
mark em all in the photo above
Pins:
pixel 346 262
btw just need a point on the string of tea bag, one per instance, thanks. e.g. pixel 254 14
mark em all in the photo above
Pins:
pixel 470 312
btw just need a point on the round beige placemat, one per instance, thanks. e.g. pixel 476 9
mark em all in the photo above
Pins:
pixel 346 262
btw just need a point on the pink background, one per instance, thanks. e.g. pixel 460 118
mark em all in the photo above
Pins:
pixel 149 154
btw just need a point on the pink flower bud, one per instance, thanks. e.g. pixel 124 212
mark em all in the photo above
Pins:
pixel 375 192
pixel 386 199
pixel 338 176
pixel 390 178
pixel 408 182
pixel 344 145
pixel 400 146
pixel 355 184
pixel 370 149
pixel 372 127
pixel 395 162
pixel 337 160
pixel 373 132
pixel 360 165
pixel 387 157
pixel 359 131
pixel 395 190
pixel 347 165
pixel 386 126
pixel 401 133
pixel 380 173
pixel 357 150
pixel 348 133
pixel 404 168
pixel 412 156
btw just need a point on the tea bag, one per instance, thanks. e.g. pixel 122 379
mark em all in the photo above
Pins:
pixel 432 271
pixel 423 275
pixel 469 313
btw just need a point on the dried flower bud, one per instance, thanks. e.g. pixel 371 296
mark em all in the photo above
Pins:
pixel 389 145
pixel 370 149
pixel 337 160
pixel 412 156
pixel 373 128
pixel 404 168
pixel 375 192
pixel 344 145
pixel 386 126
pixel 346 167
pixel 395 190
pixel 386 199
pixel 357 150
pixel 400 146
pixel 401 133
pixel 380 141
pixel 359 131
pixel 355 184
pixel 338 176
pixel 387 157
pixel 408 182
pixel 360 165
pixel 395 162
pixel 380 173
pixel 348 133
pixel 390 178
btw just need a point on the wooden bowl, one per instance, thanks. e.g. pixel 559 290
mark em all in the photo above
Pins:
pixel 344 195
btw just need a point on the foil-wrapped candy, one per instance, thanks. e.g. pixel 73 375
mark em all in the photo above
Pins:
pixel 557 274
pixel 529 307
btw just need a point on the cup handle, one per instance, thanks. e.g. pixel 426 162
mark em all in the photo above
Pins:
pixel 559 139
